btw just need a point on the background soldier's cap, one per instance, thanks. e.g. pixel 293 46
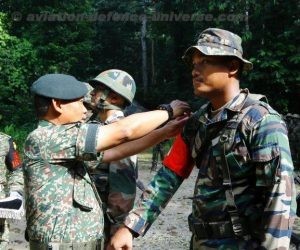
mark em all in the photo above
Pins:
pixel 218 42
pixel 59 86
pixel 87 99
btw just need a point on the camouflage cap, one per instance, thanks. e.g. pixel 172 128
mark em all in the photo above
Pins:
pixel 118 81
pixel 59 86
pixel 218 42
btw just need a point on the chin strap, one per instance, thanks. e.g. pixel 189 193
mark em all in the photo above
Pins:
pixel 103 104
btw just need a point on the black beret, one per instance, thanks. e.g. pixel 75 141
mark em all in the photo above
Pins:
pixel 59 86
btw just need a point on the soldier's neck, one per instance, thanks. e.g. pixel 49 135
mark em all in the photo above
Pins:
pixel 103 115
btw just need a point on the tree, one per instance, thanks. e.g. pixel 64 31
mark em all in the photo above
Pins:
pixel 18 60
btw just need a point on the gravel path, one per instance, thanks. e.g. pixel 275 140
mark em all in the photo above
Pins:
pixel 170 230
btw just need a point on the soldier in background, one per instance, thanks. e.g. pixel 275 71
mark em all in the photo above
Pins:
pixel 293 125
pixel 11 186
pixel 63 210
pixel 114 90
pixel 158 154
pixel 244 196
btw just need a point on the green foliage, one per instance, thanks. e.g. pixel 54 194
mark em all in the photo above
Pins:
pixel 19 134
pixel 17 68
pixel 30 48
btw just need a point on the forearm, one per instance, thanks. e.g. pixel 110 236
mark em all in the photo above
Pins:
pixel 130 128
pixel 156 197
pixel 279 216
pixel 133 147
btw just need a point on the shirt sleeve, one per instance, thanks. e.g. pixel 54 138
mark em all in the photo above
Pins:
pixel 86 143
pixel 179 158
pixel 274 174
pixel 156 197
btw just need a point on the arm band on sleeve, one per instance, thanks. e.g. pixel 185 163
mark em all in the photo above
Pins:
pixel 13 160
pixel 179 158
pixel 90 140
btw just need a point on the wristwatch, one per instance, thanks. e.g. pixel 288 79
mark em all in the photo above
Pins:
pixel 168 108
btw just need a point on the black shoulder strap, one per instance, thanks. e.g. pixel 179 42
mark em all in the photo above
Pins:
pixel 225 144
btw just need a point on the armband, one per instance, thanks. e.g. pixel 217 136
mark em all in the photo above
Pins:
pixel 179 158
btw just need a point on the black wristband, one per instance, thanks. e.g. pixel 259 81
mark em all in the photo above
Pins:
pixel 168 108
pixel 134 234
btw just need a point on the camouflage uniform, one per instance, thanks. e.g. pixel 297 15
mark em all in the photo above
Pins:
pixel 115 181
pixel 60 202
pixel 62 210
pixel 244 196
pixel 116 185
pixel 11 179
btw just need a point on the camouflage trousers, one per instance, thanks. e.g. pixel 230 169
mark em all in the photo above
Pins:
pixel 224 244
pixel 4 234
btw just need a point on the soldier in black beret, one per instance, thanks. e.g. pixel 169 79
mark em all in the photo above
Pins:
pixel 62 208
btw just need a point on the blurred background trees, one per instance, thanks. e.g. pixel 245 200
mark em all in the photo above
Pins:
pixel 150 49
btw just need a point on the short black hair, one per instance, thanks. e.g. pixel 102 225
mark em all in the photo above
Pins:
pixel 228 59
pixel 41 105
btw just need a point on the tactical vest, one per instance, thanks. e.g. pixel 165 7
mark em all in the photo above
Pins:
pixel 221 142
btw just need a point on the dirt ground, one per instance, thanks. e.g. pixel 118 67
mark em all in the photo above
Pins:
pixel 169 231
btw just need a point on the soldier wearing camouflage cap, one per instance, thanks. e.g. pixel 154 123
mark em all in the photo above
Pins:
pixel 244 196
pixel 63 210
pixel 113 90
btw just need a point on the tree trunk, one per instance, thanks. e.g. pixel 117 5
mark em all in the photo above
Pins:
pixel 153 63
pixel 144 54
pixel 247 16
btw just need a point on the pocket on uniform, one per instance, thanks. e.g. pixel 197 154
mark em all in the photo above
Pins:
pixel 83 195
pixel 266 161
pixel 238 161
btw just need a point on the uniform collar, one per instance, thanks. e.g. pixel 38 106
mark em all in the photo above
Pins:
pixel 44 123
pixel 234 106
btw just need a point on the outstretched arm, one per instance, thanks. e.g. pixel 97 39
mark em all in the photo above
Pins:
pixel 156 197
pixel 137 125
pixel 126 149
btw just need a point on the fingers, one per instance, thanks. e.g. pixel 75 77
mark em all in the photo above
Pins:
pixel 180 108
pixel 174 127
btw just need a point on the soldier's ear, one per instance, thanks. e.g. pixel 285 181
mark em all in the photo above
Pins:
pixel 233 67
pixel 56 104
pixel 116 99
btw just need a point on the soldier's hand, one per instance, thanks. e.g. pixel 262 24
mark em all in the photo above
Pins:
pixel 174 127
pixel 180 108
pixel 121 240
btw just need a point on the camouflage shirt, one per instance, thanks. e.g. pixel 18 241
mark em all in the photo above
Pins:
pixel 61 205
pixel 119 190
pixel 261 173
